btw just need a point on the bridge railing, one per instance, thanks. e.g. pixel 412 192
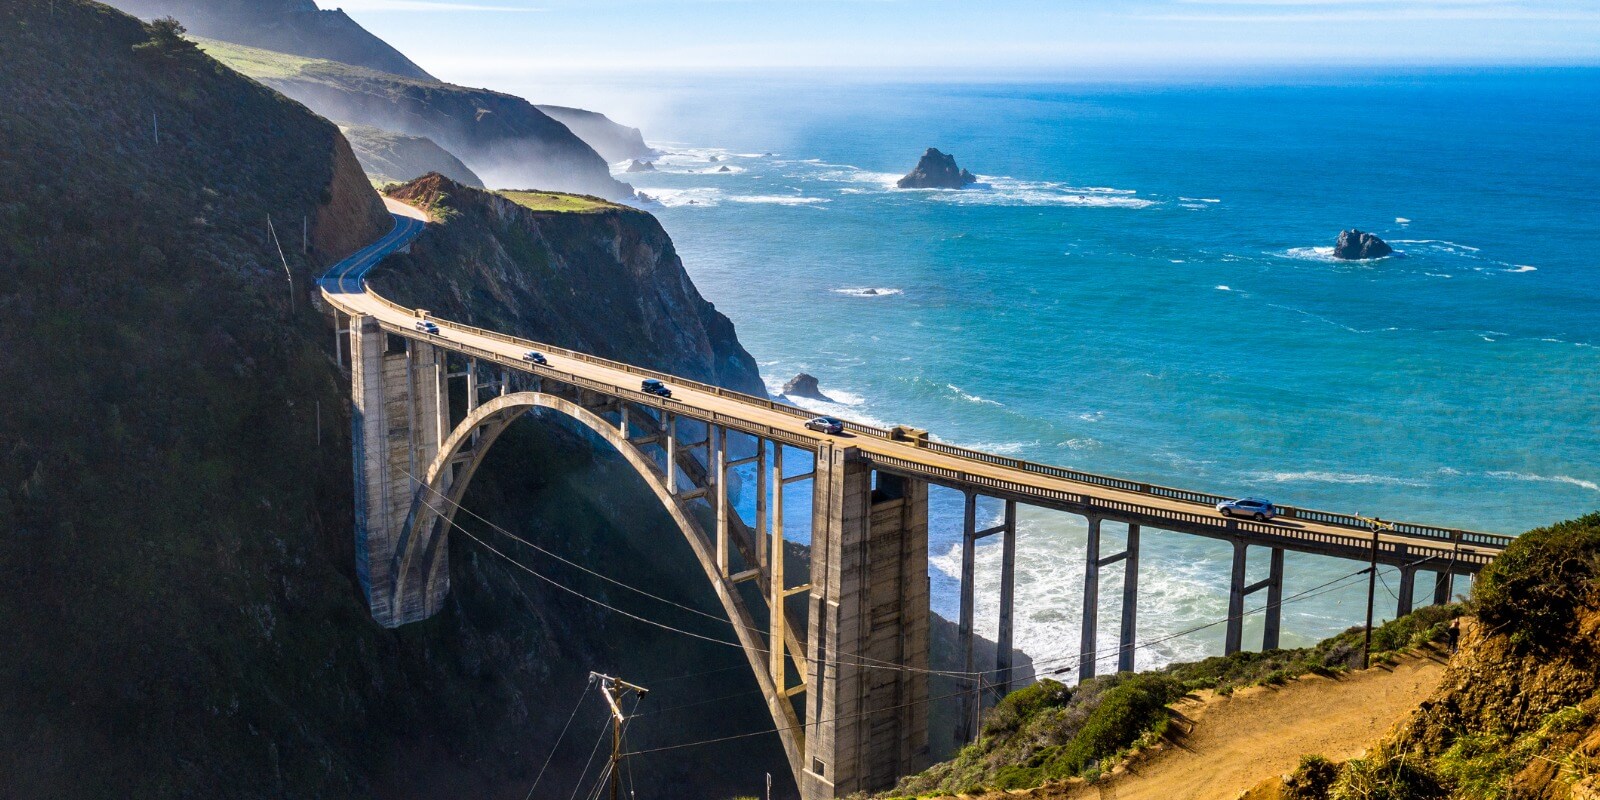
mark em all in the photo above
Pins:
pixel 1477 538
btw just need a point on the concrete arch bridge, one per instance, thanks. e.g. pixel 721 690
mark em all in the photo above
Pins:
pixel 841 653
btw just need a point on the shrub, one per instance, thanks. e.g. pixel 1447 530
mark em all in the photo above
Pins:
pixel 1016 708
pixel 1385 776
pixel 1535 588
pixel 1125 713
pixel 1312 780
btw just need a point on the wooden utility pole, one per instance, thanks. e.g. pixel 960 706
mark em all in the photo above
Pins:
pixel 613 690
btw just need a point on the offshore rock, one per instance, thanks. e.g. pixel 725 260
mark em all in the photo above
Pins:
pixel 805 385
pixel 937 170
pixel 641 166
pixel 1353 245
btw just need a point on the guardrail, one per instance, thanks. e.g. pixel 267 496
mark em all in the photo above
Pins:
pixel 1353 522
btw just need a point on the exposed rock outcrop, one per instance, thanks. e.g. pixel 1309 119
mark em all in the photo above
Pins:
pixel 724 169
pixel 641 166
pixel 937 170
pixel 641 306
pixel 1354 245
pixel 805 385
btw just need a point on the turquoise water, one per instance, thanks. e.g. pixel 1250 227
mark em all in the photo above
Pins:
pixel 1141 286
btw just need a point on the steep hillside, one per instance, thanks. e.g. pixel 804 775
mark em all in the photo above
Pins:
pixel 614 142
pixel 1517 714
pixel 287 26
pixel 504 139
pixel 390 157
pixel 179 613
pixel 540 263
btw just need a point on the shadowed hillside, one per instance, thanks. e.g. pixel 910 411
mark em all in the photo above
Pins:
pixel 180 612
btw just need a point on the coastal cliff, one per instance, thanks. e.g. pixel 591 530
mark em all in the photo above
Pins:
pixel 605 280
pixel 504 139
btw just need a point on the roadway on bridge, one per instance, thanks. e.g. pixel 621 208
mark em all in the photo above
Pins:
pixel 345 287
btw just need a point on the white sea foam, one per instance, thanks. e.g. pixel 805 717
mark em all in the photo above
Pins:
pixel 971 398
pixel 1224 288
pixel 1308 254
pixel 1003 191
pixel 846 404
pixel 866 291
pixel 1002 448
pixel 1080 443
pixel 1092 416
pixel 1402 221
pixel 1199 199
pixel 1315 476
pixel 779 199
pixel 1528 476
pixel 1439 244
pixel 675 198
pixel 1522 268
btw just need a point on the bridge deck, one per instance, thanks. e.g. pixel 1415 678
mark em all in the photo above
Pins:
pixel 1112 498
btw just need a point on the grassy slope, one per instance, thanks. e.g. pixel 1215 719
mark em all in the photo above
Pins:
pixel 390 157
pixel 1049 731
pixel 559 202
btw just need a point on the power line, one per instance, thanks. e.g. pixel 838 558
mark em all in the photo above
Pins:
pixel 862 662
pixel 581 697
pixel 1300 596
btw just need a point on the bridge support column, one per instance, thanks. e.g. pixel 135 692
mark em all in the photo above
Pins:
pixel 868 606
pixel 967 727
pixel 397 426
pixel 1238 591
pixel 1441 587
pixel 1089 637
pixel 1130 602
pixel 1233 642
pixel 1008 595
pixel 1272 630
pixel 1408 589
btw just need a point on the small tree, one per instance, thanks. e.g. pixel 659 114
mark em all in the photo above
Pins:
pixel 166 41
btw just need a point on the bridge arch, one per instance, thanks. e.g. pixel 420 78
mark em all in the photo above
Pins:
pixel 420 571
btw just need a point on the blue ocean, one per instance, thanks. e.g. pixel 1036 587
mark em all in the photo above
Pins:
pixel 1142 285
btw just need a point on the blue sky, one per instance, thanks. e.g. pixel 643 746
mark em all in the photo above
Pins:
pixel 483 41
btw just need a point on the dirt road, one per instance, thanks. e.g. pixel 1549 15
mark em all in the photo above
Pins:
pixel 1227 745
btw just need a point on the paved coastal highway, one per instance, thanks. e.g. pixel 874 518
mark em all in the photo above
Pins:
pixel 1112 498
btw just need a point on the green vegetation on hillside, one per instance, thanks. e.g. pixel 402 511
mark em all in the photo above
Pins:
pixel 258 63
pixel 1049 731
pixel 1518 712
pixel 558 201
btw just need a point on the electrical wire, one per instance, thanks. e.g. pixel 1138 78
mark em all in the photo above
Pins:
pixel 581 697
pixel 862 663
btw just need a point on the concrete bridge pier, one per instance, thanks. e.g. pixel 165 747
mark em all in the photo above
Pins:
pixel 866 720
pixel 1093 563
pixel 1233 642
pixel 1443 585
pixel 399 416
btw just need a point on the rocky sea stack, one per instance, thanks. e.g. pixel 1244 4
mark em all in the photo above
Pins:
pixel 937 170
pixel 805 385
pixel 1353 245
pixel 641 166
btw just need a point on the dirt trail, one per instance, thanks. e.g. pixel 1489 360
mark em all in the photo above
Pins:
pixel 1226 745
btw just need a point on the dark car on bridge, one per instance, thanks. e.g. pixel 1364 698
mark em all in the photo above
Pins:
pixel 1252 507
pixel 535 357
pixel 655 387
pixel 825 425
